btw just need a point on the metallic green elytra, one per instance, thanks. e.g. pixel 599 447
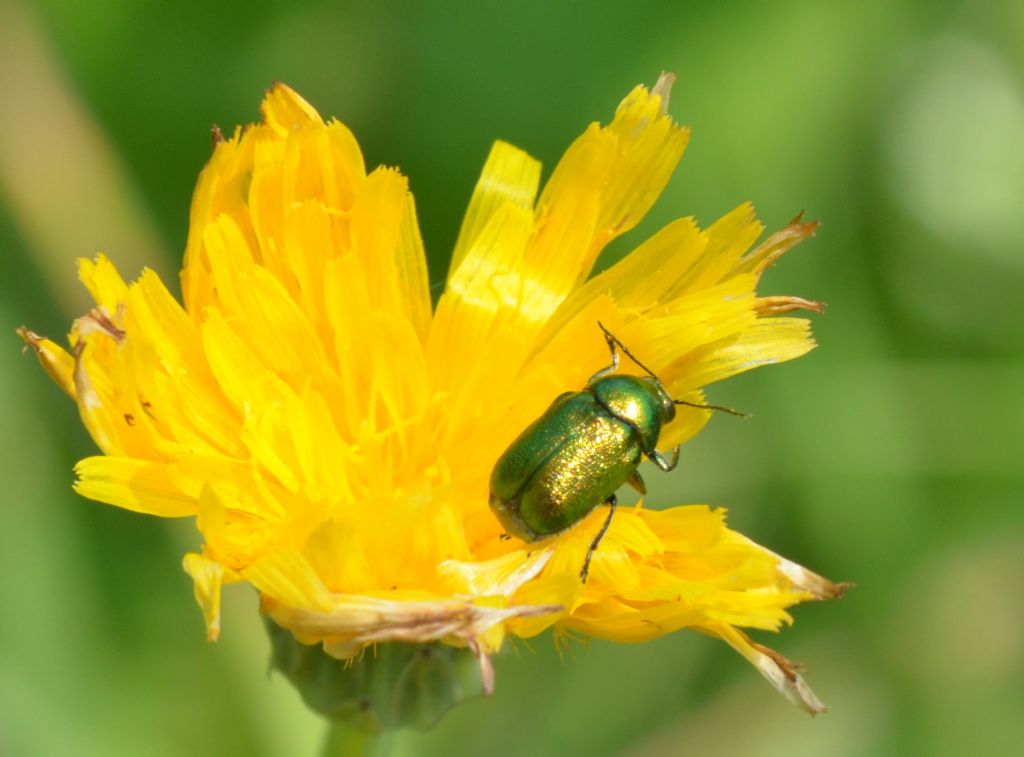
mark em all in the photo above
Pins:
pixel 584 447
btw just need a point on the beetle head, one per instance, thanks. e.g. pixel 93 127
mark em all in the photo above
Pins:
pixel 666 405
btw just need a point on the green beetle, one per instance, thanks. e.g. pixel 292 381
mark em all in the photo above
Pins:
pixel 581 450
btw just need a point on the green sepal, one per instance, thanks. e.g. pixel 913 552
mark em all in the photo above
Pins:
pixel 390 686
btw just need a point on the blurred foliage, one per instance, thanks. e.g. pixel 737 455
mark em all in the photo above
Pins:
pixel 891 456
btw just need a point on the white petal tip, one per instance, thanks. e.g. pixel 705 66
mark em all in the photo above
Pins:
pixel 663 88
pixel 784 676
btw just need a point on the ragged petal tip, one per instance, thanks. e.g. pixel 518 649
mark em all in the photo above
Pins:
pixel 663 89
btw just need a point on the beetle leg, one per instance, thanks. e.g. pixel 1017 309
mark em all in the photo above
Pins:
pixel 636 482
pixel 613 501
pixel 659 459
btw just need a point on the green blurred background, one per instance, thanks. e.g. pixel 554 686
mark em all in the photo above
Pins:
pixel 890 457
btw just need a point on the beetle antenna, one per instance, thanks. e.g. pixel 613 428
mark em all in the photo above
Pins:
pixel 729 410
pixel 614 340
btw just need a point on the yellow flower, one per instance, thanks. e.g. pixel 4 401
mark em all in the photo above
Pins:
pixel 333 434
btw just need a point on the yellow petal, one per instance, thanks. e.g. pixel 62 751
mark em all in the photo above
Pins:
pixel 222 190
pixel 337 552
pixel 94 353
pixel 775 246
pixel 172 369
pixel 103 282
pixel 208 576
pixel 284 111
pixel 640 280
pixel 728 239
pixel 480 304
pixel 767 341
pixel 56 361
pixel 509 176
pixel 413 277
pixel 782 674
pixel 139 485
pixel 230 262
pixel 288 578
pixel 625 166
pixel 502 576
pixel 379 215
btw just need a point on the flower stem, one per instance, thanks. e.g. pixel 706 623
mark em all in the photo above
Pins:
pixel 344 741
